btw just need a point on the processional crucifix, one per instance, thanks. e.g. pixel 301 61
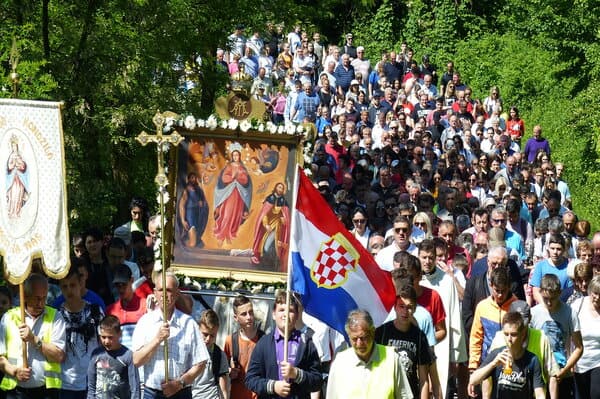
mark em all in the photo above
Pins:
pixel 163 143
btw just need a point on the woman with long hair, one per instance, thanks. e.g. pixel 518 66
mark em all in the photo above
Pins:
pixel 493 100
pixel 422 221
pixel 515 126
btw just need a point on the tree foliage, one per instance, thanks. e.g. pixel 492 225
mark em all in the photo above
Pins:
pixel 115 62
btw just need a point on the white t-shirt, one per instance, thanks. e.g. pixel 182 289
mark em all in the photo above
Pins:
pixel 590 333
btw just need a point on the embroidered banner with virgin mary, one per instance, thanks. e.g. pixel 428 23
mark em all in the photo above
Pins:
pixel 33 204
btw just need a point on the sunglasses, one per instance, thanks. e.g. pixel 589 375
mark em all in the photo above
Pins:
pixel 497 221
pixel 401 230
pixel 359 221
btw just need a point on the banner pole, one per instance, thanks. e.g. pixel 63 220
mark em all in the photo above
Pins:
pixel 289 263
pixel 22 306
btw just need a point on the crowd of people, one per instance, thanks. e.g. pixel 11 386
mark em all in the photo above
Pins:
pixel 497 280
pixel 475 222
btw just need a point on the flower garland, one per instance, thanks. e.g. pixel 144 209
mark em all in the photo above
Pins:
pixel 213 121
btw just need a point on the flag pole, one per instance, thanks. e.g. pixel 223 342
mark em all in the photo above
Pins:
pixel 289 262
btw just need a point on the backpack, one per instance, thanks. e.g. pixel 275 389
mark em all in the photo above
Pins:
pixel 235 345
pixel 215 358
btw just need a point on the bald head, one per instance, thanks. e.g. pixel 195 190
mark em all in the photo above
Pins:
pixel 596 243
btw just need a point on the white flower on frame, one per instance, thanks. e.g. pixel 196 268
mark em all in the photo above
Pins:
pixel 189 122
pixel 245 125
pixel 211 122
pixel 233 124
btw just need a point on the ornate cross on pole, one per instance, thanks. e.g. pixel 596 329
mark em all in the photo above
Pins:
pixel 163 143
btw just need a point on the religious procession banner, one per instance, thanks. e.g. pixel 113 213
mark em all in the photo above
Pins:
pixel 33 203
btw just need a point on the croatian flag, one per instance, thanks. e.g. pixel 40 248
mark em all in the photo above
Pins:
pixel 331 270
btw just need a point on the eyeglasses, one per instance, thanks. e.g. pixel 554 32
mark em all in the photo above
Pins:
pixel 359 221
pixel 401 230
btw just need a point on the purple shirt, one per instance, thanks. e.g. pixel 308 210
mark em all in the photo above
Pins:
pixel 293 344
pixel 532 146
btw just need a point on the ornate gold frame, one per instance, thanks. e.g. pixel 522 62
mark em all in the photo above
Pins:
pixel 210 262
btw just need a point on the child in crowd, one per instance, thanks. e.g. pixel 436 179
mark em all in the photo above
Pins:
pixel 561 325
pixel 111 372
pixel 514 370
pixel 81 324
pixel 213 383
pixel 239 346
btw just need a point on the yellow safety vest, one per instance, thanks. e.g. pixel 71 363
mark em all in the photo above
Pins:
pixel 382 380
pixel 13 345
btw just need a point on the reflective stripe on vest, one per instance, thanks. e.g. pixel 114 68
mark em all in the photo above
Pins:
pixel 51 369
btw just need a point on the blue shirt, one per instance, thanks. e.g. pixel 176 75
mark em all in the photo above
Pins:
pixel 306 107
pixel 344 76
pixel 545 267
pixel 90 296
pixel 513 241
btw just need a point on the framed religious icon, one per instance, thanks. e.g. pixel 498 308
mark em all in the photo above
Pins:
pixel 233 203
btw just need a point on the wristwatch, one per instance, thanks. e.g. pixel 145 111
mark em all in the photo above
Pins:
pixel 182 382
pixel 38 343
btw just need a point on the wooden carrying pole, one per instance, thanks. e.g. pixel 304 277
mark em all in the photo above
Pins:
pixel 22 306
pixel 289 264
pixel 14 77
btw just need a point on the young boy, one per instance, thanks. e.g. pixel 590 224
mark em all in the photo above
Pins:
pixel 515 372
pixel 81 265
pixel 269 375
pixel 556 264
pixel 213 383
pixel 81 320
pixel 410 342
pixel 239 346
pixel 561 325
pixel 111 373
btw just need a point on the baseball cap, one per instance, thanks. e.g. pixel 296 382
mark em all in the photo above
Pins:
pixel 521 307
pixel 122 274
pixel 123 233
pixel 354 82
pixel 377 93
pixel 489 201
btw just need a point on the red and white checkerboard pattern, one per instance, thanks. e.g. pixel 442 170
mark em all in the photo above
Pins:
pixel 332 264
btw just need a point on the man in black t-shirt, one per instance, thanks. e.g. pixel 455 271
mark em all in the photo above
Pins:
pixel 408 340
